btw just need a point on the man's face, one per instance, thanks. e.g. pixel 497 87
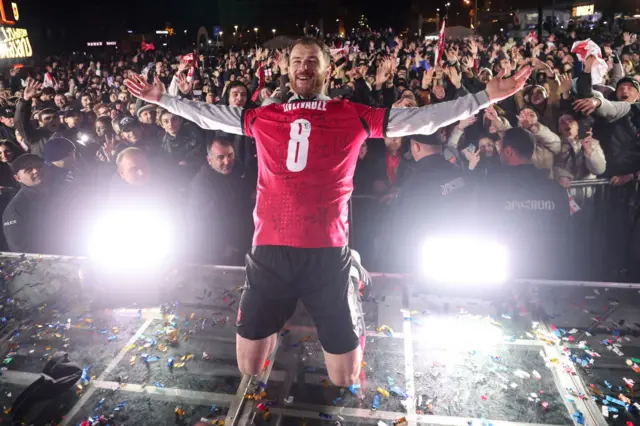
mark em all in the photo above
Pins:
pixel 50 122
pixel 61 101
pixel 308 70
pixel 171 124
pixel 30 176
pixel 148 117
pixel 393 144
pixel 210 98
pixel 7 121
pixel 537 96
pixel 485 76
pixel 221 158
pixel 627 92
pixel 103 111
pixel 101 128
pixel 238 96
pixel 133 135
pixel 73 121
pixel 123 97
pixel 134 169
pixel 6 155
pixel 86 101
pixel 568 126
pixel 132 109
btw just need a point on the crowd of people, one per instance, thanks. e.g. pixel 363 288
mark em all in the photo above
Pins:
pixel 74 141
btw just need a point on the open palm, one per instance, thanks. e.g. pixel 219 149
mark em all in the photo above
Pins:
pixel 139 88
pixel 501 88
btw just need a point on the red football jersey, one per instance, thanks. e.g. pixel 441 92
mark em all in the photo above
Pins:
pixel 307 155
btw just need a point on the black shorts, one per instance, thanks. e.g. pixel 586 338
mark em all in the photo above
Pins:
pixel 278 276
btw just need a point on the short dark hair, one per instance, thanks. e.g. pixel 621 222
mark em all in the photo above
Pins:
pixel 237 83
pixel 164 112
pixel 220 140
pixel 521 141
pixel 312 41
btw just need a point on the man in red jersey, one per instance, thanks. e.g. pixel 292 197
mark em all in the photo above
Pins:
pixel 307 154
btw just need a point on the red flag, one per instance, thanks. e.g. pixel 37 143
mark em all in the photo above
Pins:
pixel 147 46
pixel 188 58
pixel 440 46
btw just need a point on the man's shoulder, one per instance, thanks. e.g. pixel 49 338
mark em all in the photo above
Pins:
pixel 21 200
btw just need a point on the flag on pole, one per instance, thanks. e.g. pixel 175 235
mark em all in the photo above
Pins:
pixel 440 46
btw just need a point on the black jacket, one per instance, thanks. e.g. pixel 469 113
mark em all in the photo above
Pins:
pixel 620 142
pixel 34 137
pixel 218 214
pixel 8 133
pixel 527 212
pixel 37 220
pixel 430 201
pixel 187 146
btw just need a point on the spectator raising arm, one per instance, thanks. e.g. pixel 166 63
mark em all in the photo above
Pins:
pixel 610 111
pixel 207 116
pixel 428 119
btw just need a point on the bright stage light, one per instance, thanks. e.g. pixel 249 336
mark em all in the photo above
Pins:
pixel 131 240
pixel 83 138
pixel 464 260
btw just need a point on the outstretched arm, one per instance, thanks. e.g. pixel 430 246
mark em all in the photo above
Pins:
pixel 427 119
pixel 210 117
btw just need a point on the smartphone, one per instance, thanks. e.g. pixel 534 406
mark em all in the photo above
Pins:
pixel 583 129
pixel 471 148
pixel 197 92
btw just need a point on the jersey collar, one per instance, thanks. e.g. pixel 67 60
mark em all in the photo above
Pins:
pixel 295 98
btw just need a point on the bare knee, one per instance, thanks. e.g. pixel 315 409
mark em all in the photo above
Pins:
pixel 343 369
pixel 343 379
pixel 251 367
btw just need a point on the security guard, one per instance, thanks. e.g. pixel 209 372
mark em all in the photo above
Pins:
pixel 525 210
pixel 37 219
pixel 430 199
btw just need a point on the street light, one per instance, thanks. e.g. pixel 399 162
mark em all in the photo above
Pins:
pixel 236 27
pixel 273 30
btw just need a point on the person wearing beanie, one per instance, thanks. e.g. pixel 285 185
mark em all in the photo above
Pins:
pixel 628 90
pixel 60 158
pixel 49 123
pixel 8 127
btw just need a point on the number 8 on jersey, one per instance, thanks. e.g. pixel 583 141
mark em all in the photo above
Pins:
pixel 298 145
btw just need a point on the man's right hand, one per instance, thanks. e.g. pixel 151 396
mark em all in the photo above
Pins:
pixel 139 88
pixel 31 89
